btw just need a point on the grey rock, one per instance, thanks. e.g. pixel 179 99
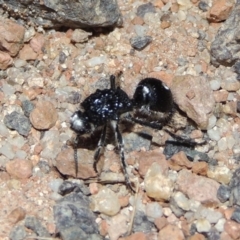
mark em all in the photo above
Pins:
pixel 18 232
pixel 213 234
pixel 36 226
pixel 235 181
pixel 62 57
pixel 225 48
pixel 27 107
pixel 223 193
pixel 145 8
pixel 18 122
pixel 136 141
pixel 203 6
pixel 73 217
pixel 141 223
pixel 238 106
pixel 44 166
pixel 236 215
pixel 235 196
pixel 176 209
pixel 173 147
pixel 61 13
pixel 140 42
pixel 74 97
pixel 67 187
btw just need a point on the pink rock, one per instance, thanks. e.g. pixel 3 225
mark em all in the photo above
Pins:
pixel 199 188
pixel 5 60
pixel 44 115
pixel 145 160
pixel 37 43
pixel 19 168
pixel 11 37
pixel 171 232
pixel 136 236
pixel 232 228
pixel 194 96
pixel 27 53
pixel 16 215
pixel 66 165
pixel 220 10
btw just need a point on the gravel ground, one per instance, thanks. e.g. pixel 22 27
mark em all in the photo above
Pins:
pixel 183 193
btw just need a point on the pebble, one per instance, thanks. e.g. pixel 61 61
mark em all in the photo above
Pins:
pixel 117 226
pixel 153 211
pixel 145 8
pixel 27 107
pixel 222 144
pixel 80 36
pixel 198 188
pixel 203 6
pixel 5 60
pixel 215 85
pixel 54 184
pixel 214 134
pixel 220 224
pixel 157 185
pixel 18 122
pixel 141 223
pixel 105 201
pixel 7 150
pixel 18 232
pixel 95 61
pixel 209 214
pixel 203 225
pixel 232 228
pixel 36 226
pixel 181 200
pixel 44 115
pixel 222 174
pixel 223 193
pixel 16 215
pixel 171 232
pixel 140 42
pixel 236 215
pixel 20 169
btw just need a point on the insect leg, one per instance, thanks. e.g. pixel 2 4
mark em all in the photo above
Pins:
pixel 99 147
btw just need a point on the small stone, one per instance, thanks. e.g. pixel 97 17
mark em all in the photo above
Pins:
pixel 44 115
pixel 181 200
pixel 80 36
pixel 236 215
pixel 140 42
pixel 27 107
pixel 214 134
pixel 203 6
pixel 180 160
pixel 200 168
pixel 141 223
pixel 5 60
pixel 221 96
pixel 157 185
pixel 20 169
pixel 135 236
pixel 160 222
pixel 232 228
pixel 223 193
pixel 220 224
pixel 199 188
pixel 12 36
pixel 27 53
pixel 18 233
pixel 95 61
pixel 106 202
pixel 197 236
pixel 220 10
pixel 203 225
pixel 222 144
pixel 66 165
pixel 215 85
pixel 221 174
pixel 16 215
pixel 145 8
pixel 7 150
pixel 211 121
pixel 230 85
pixel 209 214
pixel 154 210
pixel 36 226
pixel 18 122
pixel 117 226
pixel 170 232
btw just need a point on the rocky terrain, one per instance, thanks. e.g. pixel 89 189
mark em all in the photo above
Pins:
pixel 51 60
